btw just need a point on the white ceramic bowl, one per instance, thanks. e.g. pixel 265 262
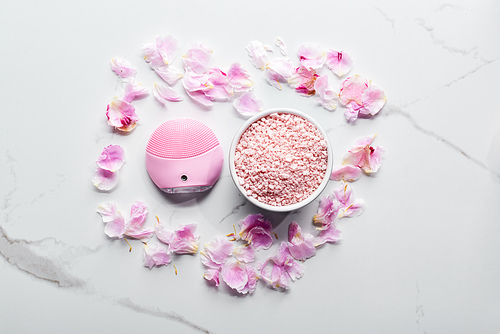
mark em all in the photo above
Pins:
pixel 285 208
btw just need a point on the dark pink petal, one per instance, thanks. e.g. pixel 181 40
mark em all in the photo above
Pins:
pixel 331 234
pixel 122 68
pixel 247 104
pixel 256 230
pixel 111 158
pixel 339 62
pixel 239 78
pixel 104 179
pixel 345 173
pixel 156 255
pixel 311 56
pixel 121 115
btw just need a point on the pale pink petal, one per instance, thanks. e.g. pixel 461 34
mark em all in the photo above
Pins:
pixel 165 93
pixel 301 245
pixel 239 78
pixel 104 179
pixel 303 80
pixel 198 58
pixel 167 47
pixel 221 89
pixel 156 255
pixel 349 207
pixel 339 62
pixel 258 55
pixel 200 97
pixel 116 227
pixel 279 70
pixel 133 90
pixel 122 68
pixel 327 211
pixel 184 239
pixel 245 253
pixel 281 46
pixel 352 90
pixel 170 74
pixel 194 82
pixel 139 232
pixel 216 252
pixel 282 268
pixel 326 95
pixel 364 156
pixel 311 56
pixel 138 214
pixel 212 275
pixel 345 173
pixel 373 100
pixel 152 56
pixel 331 234
pixel 235 275
pixel 111 158
pixel 107 210
pixel 247 104
pixel 121 115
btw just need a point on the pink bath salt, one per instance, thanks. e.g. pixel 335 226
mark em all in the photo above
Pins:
pixel 281 159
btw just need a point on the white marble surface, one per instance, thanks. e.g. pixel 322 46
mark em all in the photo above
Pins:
pixel 422 258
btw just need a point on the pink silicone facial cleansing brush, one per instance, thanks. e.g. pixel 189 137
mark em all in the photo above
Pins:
pixel 183 155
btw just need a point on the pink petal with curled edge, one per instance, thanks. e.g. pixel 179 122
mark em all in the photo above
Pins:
pixel 345 173
pixel 216 252
pixel 331 234
pixel 245 253
pixel 139 233
pixel 221 89
pixel 338 62
pixel 247 104
pixel 104 179
pixel 327 211
pixel 156 255
pixel 122 68
pixel 364 156
pixel 281 46
pixel 116 227
pixel 170 74
pixel 121 115
pixel 279 70
pixel 349 207
pixel 107 210
pixel 133 90
pixel 198 58
pixel 152 56
pixel 258 55
pixel 138 214
pixel 239 78
pixel 280 269
pixel 311 56
pixel 167 47
pixel 200 97
pixel 256 230
pixel 240 277
pixel 184 239
pixel 111 158
pixel 373 100
pixel 326 95
pixel 301 245
pixel 352 90
pixel 194 82
pixel 165 93
pixel 260 238
pixel 212 275
pixel 303 80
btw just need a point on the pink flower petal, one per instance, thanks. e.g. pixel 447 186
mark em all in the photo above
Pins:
pixel 349 207
pixel 216 252
pixel 281 46
pixel 133 90
pixel 122 68
pixel 373 100
pixel 256 230
pixel 311 56
pixel 331 234
pixel 104 179
pixel 352 90
pixel 258 55
pixel 183 240
pixel 121 115
pixel 245 253
pixel 303 80
pixel 212 275
pixel 247 104
pixel 339 62
pixel 360 97
pixel 107 210
pixel 301 245
pixel 138 214
pixel 167 47
pixel 279 70
pixel 282 268
pixel 345 173
pixel 239 78
pixel 200 97
pixel 111 158
pixel 115 224
pixel 326 95
pixel 198 58
pixel 364 156
pixel 221 89
pixel 170 74
pixel 165 93
pixel 240 277
pixel 156 255
pixel 327 211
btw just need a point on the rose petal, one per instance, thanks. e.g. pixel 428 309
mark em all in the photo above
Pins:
pixel 239 78
pixel 183 240
pixel 104 179
pixel 156 255
pixel 338 62
pixel 373 100
pixel 245 253
pixel 303 80
pixel 311 56
pixel 331 234
pixel 364 156
pixel 247 104
pixel 111 158
pixel 216 252
pixel 122 68
pixel 165 93
pixel 121 115
pixel 345 173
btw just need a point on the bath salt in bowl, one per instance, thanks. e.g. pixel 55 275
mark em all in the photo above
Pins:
pixel 280 159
